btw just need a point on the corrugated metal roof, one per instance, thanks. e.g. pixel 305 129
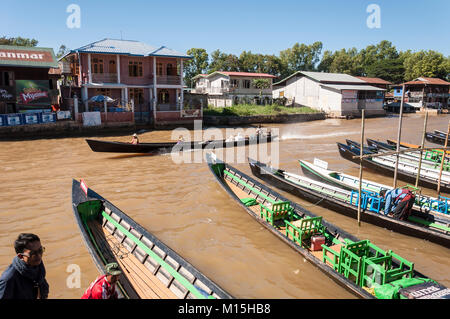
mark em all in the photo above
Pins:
pixel 351 87
pixel 424 80
pixel 373 80
pixel 27 57
pixel 130 47
pixel 250 74
pixel 324 77
pixel 332 77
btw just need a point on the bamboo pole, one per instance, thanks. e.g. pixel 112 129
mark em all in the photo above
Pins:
pixel 421 149
pixel 399 135
pixel 442 161
pixel 360 167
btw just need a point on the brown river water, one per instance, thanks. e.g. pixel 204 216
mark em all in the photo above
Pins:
pixel 184 206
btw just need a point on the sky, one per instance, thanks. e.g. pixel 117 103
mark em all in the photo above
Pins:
pixel 232 26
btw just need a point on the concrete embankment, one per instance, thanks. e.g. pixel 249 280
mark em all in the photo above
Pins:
pixel 63 129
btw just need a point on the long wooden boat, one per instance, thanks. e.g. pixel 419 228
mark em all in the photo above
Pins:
pixel 438 208
pixel 427 162
pixel 150 269
pixel 436 138
pixel 408 145
pixel 358 265
pixel 431 155
pixel 123 147
pixel 406 172
pixel 420 225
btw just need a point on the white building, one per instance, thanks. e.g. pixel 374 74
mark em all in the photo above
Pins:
pixel 333 93
pixel 229 88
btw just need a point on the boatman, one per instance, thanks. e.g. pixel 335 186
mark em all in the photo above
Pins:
pixel 104 287
pixel 25 277
pixel 134 139
pixel 399 202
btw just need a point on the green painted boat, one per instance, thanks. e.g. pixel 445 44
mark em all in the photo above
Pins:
pixel 357 265
pixel 150 269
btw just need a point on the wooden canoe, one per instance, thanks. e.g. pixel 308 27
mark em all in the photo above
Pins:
pixel 409 158
pixel 406 172
pixel 408 145
pixel 122 147
pixel 435 138
pixel 424 205
pixel 150 269
pixel 297 226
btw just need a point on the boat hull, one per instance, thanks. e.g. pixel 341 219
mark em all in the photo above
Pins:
pixel 403 227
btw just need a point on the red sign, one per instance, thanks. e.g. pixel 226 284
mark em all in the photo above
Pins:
pixel 26 55
pixel 84 186
pixel 31 95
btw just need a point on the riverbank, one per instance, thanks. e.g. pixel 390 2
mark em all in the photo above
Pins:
pixel 64 129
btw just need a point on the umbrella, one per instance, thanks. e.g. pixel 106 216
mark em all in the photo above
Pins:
pixel 101 98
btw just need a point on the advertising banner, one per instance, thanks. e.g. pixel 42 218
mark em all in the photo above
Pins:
pixel 32 94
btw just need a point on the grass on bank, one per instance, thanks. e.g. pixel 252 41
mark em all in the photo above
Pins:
pixel 253 109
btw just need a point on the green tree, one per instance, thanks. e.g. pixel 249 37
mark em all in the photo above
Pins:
pixel 62 51
pixel 425 63
pixel 300 57
pixel 19 41
pixel 223 62
pixel 197 65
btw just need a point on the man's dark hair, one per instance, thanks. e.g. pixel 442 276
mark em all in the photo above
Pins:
pixel 23 240
pixel 382 192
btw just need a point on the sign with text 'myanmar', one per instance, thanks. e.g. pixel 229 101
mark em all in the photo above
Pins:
pixel 26 55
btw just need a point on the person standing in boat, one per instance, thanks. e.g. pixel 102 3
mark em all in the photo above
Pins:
pixel 134 139
pixel 104 287
pixel 399 202
pixel 25 277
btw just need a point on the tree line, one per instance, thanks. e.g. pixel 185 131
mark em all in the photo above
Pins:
pixel 382 60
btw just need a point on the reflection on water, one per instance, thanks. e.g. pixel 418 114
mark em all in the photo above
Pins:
pixel 184 206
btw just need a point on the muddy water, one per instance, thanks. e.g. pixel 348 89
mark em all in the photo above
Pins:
pixel 184 206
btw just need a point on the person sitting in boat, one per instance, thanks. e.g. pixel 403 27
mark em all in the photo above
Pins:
pixel 134 139
pixel 398 202
pixel 180 140
pixel 104 287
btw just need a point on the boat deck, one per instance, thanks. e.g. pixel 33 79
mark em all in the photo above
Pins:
pixel 146 285
pixel 255 209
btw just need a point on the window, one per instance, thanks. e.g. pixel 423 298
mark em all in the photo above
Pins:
pixel 137 95
pixel 234 83
pixel 112 66
pixel 163 96
pixel 135 68
pixel 97 65
pixel 169 69
pixel 159 69
pixel 6 78
pixel 246 84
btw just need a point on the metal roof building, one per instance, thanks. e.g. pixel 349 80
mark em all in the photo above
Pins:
pixel 334 93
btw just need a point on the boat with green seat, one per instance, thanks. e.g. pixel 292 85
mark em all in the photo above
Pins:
pixel 419 224
pixel 439 206
pixel 150 269
pixel 357 265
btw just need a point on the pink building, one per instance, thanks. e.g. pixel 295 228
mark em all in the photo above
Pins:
pixel 146 82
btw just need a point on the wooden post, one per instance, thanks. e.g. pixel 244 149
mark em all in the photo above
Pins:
pixel 421 149
pixel 442 160
pixel 360 167
pixel 399 135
